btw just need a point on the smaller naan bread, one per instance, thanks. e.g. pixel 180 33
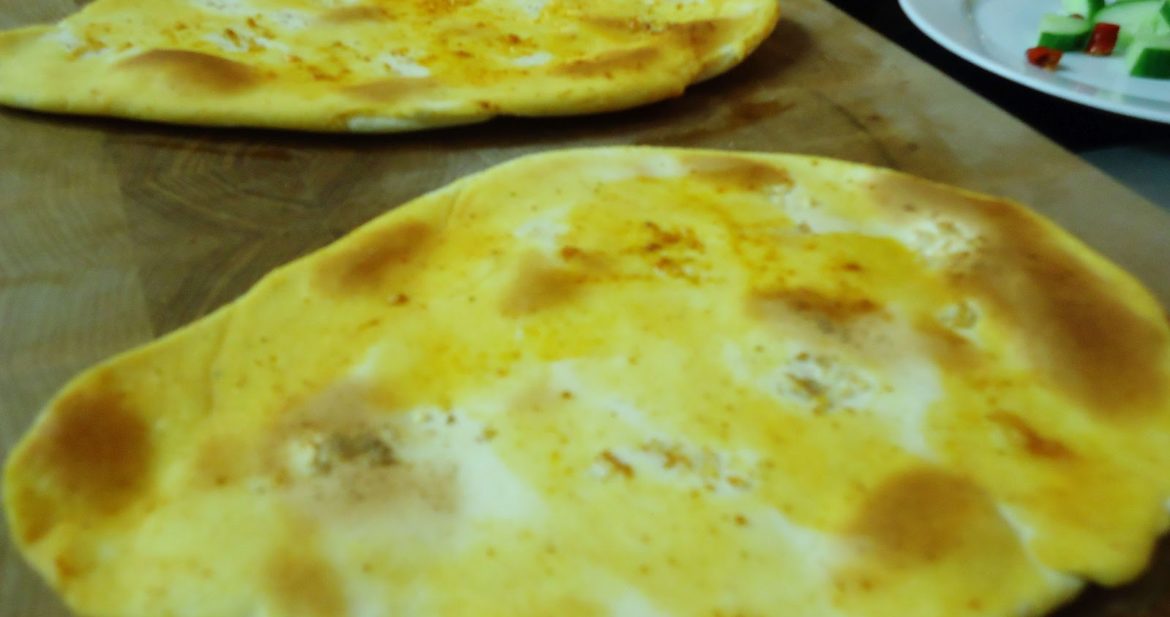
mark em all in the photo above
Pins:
pixel 372 65
pixel 632 382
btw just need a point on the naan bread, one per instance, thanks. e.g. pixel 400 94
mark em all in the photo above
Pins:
pixel 627 382
pixel 372 65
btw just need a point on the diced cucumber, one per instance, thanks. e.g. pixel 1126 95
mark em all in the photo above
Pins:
pixel 1084 8
pixel 1149 57
pixel 1130 15
pixel 1063 32
pixel 1135 17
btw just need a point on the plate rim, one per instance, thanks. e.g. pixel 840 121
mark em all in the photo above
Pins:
pixel 919 13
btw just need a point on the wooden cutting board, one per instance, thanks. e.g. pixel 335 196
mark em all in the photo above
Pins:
pixel 112 233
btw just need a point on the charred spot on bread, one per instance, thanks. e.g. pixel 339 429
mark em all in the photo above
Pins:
pixel 380 255
pixel 196 71
pixel 96 447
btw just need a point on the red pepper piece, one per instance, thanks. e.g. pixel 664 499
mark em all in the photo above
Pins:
pixel 1045 57
pixel 1103 39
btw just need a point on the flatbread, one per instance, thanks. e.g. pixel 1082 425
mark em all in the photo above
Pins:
pixel 627 381
pixel 372 65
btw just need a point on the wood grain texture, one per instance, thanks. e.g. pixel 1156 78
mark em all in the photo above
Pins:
pixel 112 232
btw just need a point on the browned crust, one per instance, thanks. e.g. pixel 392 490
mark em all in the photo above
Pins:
pixel 370 260
pixel 1083 335
pixel 386 90
pixel 193 70
pixel 356 14
pixel 606 64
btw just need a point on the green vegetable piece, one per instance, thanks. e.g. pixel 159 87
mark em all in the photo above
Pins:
pixel 1084 8
pixel 1135 17
pixel 1064 33
pixel 1149 57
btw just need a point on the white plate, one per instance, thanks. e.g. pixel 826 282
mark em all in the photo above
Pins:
pixel 995 34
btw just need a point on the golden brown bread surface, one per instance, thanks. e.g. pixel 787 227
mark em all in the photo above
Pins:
pixel 627 381
pixel 372 65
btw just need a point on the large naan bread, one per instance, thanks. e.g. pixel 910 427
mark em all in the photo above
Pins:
pixel 627 382
pixel 372 65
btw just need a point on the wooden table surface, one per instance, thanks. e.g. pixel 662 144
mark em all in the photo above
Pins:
pixel 112 232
